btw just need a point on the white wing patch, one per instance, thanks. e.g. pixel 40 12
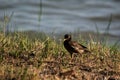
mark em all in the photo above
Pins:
pixel 80 50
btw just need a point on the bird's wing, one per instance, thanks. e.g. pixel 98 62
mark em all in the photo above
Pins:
pixel 75 44
pixel 79 47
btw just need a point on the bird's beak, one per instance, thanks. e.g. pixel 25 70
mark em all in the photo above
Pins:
pixel 64 39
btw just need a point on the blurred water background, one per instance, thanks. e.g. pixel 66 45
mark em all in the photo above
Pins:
pixel 62 15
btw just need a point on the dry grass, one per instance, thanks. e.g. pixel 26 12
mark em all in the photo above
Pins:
pixel 24 59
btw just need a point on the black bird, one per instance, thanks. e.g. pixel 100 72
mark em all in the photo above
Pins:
pixel 74 47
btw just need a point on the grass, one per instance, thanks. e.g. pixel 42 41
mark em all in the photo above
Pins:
pixel 36 56
pixel 23 57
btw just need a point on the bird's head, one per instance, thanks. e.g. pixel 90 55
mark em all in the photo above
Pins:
pixel 67 37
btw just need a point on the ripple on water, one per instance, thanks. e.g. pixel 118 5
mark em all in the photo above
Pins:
pixel 63 14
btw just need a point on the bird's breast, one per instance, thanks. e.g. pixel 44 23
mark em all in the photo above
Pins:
pixel 69 48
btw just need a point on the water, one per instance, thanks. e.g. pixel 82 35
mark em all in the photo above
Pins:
pixel 62 15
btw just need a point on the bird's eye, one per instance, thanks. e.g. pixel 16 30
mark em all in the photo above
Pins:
pixel 66 36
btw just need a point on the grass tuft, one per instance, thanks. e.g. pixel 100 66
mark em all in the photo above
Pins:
pixel 23 58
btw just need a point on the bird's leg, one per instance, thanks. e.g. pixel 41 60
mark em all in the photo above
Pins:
pixel 82 56
pixel 72 57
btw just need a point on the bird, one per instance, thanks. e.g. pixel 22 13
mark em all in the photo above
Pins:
pixel 73 46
